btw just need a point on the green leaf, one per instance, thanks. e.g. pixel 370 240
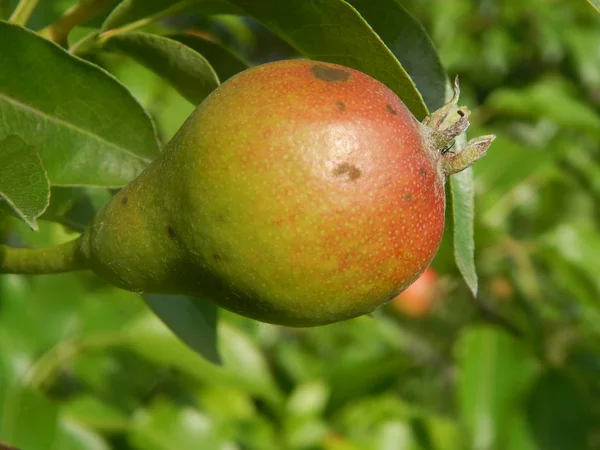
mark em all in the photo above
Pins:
pixel 187 70
pixel 551 97
pixel 409 42
pixel 579 40
pixel 88 128
pixel 558 414
pixel 166 426
pixel 595 4
pixel 334 31
pixel 517 433
pixel 364 418
pixel 193 321
pixel 133 10
pixel 243 366
pixel 493 369
pixel 503 170
pixel 24 183
pixel 308 400
pixel 245 360
pixel 74 436
pixel 225 62
pixel 25 408
pixel 462 204
pixel 94 413
pixel 577 243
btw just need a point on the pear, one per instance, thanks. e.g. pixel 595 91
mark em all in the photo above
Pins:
pixel 298 193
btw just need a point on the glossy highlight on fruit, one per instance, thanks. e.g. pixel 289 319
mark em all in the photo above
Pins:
pixel 298 193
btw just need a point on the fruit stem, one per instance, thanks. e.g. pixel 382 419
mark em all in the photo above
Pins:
pixel 23 12
pixel 38 261
pixel 171 10
pixel 79 13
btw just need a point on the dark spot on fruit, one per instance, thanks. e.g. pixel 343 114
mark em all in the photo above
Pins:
pixel 341 106
pixel 461 113
pixel 327 73
pixel 423 171
pixel 352 171
pixel 407 197
pixel 124 200
pixel 391 110
pixel 171 232
pixel 217 257
pixel 221 218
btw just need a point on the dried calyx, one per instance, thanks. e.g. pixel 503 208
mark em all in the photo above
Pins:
pixel 444 126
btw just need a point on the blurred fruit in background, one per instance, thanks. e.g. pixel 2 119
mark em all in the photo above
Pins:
pixel 420 297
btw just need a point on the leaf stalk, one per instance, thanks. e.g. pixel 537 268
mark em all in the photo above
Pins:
pixel 81 12
pixel 23 12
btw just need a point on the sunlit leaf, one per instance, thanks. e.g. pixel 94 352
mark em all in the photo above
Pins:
pixel 243 364
pixel 164 426
pixel 24 183
pixel 187 70
pixel 87 127
pixel 493 369
pixel 75 436
pixel 551 98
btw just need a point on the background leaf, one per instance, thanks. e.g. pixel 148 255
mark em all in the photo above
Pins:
pixel 552 98
pixel 493 370
pixel 22 407
pixel 243 363
pixel 86 126
pixel 187 70
pixel 164 426
pixel 23 180
pixel 75 436
pixel 557 413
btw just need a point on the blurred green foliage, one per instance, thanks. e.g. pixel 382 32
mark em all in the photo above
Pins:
pixel 86 366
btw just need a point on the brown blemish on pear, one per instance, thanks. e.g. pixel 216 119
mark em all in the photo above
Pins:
pixel 329 73
pixel 353 173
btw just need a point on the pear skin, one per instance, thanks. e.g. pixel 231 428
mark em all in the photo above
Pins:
pixel 298 193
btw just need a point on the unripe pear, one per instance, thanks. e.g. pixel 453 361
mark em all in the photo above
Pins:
pixel 298 193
